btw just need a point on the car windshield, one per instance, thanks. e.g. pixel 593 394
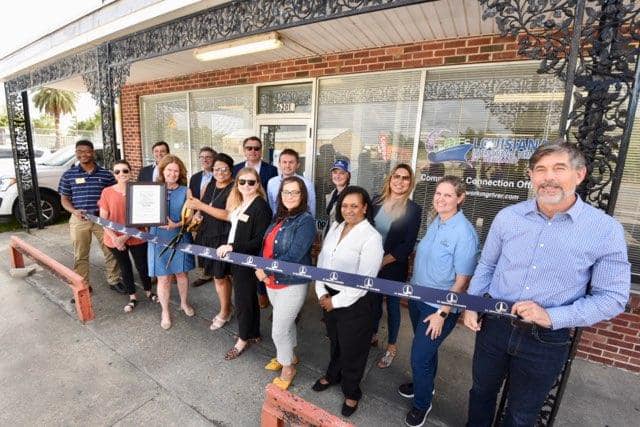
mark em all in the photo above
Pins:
pixel 59 158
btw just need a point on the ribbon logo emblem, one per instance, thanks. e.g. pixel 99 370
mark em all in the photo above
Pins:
pixel 207 252
pixel 302 270
pixel 368 282
pixel 274 265
pixel 452 298
pixel 501 307
pixel 188 248
pixel 333 276
pixel 249 260
pixel 407 290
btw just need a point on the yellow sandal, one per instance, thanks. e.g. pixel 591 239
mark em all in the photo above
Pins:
pixel 283 384
pixel 274 365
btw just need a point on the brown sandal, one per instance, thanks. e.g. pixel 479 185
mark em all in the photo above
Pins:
pixel 234 353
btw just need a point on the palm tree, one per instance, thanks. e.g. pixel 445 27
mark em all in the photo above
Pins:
pixel 55 102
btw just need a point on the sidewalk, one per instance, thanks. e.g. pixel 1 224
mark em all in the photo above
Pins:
pixel 123 369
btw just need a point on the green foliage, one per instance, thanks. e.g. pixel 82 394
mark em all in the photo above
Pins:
pixel 54 101
pixel 4 121
pixel 45 124
pixel 89 124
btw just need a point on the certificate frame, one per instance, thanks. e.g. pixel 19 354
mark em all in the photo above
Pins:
pixel 146 204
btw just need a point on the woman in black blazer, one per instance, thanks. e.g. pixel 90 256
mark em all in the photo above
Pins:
pixel 250 217
pixel 397 219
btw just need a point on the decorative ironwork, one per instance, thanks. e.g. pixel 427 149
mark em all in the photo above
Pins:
pixel 275 99
pixel 69 66
pixel 234 20
pixel 24 163
pixel 597 56
pixel 105 97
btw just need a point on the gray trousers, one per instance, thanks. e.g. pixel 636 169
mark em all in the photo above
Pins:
pixel 286 303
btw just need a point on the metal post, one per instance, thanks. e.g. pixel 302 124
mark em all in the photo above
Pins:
pixel 572 63
pixel 32 165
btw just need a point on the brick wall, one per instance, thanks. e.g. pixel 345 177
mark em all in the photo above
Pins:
pixel 615 343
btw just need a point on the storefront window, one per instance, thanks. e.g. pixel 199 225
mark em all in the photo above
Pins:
pixel 369 119
pixel 482 124
pixel 221 118
pixel 627 209
pixel 164 118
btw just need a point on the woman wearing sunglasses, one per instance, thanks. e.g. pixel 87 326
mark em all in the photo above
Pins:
pixel 397 219
pixel 250 216
pixel 289 238
pixel 112 206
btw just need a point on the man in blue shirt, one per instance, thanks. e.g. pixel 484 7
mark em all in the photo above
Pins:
pixel 289 163
pixel 542 254
pixel 80 189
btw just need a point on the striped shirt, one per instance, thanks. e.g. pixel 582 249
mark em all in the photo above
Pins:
pixel 528 256
pixel 84 189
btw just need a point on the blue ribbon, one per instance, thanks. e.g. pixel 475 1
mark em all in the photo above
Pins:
pixel 307 272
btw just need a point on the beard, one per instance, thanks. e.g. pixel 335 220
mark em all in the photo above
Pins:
pixel 550 199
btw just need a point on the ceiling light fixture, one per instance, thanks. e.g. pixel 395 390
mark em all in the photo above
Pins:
pixel 245 46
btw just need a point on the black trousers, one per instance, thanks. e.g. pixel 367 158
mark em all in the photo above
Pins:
pixel 245 298
pixel 139 254
pixel 350 330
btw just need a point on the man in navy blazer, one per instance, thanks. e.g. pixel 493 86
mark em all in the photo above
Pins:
pixel 150 173
pixel 199 180
pixel 252 148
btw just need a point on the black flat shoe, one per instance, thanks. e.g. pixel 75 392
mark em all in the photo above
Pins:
pixel 119 288
pixel 318 386
pixel 347 410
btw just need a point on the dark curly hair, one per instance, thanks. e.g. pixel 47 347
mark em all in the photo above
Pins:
pixel 364 196
pixel 281 211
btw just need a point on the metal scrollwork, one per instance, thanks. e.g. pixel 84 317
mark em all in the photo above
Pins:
pixel 237 19
pixel 593 46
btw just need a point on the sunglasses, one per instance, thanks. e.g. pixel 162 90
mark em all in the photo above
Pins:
pixel 252 148
pixel 117 171
pixel 401 177
pixel 249 182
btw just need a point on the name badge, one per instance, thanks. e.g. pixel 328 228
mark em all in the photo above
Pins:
pixel 243 218
pixel 80 181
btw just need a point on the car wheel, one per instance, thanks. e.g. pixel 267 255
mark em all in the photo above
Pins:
pixel 50 210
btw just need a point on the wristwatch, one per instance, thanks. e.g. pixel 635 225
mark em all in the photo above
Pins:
pixel 442 313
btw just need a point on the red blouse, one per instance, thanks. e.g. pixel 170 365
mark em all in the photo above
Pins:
pixel 267 252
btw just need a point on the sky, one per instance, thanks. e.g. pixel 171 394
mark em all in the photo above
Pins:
pixel 25 21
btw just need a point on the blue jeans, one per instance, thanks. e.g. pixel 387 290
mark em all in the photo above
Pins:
pixel 393 316
pixel 532 356
pixel 424 352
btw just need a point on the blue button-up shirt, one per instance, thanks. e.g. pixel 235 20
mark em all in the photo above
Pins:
pixel 272 193
pixel 528 256
pixel 448 249
pixel 84 189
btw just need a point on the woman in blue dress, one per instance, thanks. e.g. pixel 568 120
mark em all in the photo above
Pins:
pixel 173 174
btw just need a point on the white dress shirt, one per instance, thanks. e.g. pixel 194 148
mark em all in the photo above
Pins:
pixel 359 252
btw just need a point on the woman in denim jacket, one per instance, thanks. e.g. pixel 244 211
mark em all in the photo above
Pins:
pixel 288 238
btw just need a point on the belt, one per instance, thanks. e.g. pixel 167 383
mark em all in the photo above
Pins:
pixel 516 323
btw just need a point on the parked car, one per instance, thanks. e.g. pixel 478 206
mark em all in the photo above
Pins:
pixel 49 169
pixel 6 158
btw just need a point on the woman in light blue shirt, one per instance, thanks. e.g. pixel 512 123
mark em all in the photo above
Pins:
pixel 445 259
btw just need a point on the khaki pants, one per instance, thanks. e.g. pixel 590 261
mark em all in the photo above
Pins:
pixel 81 232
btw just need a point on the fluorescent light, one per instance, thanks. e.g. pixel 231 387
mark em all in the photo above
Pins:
pixel 245 46
pixel 509 98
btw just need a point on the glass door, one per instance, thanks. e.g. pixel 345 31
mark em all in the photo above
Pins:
pixel 277 135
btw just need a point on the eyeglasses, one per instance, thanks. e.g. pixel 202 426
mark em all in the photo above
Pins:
pixel 249 182
pixel 402 177
pixel 252 148
pixel 206 157
pixel 286 193
pixel 221 170
pixel 117 171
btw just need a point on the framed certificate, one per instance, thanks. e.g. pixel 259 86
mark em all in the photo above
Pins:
pixel 146 204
